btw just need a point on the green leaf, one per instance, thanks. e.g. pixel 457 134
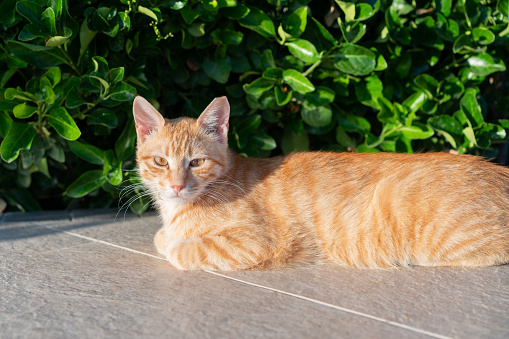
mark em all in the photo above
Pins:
pixel 103 116
pixel 112 168
pixel 249 125
pixel 122 92
pixel 470 107
pixel 363 12
pixel 218 69
pixel 31 32
pixel 87 152
pixel 444 7
pixel 303 50
pixel 470 135
pixel 197 29
pixel 353 123
pixel 503 7
pixel 42 166
pixel 8 13
pixel 20 136
pixel 56 153
pixel 355 60
pixel 31 11
pixel 297 81
pixel 494 132
pixel 189 14
pixel 86 36
pixel 227 36
pixel 381 63
pixel 417 131
pixel 24 111
pixel 428 84
pixel 504 123
pixel 57 6
pixel 273 73
pixel 47 94
pixel 353 31
pixel 85 184
pixel 53 75
pixel 5 123
pixel 73 99
pixel 484 64
pixel 343 138
pixel 415 101
pixel 348 8
pixel 17 93
pixel 446 123
pixel 283 95
pixel 324 33
pixel 175 4
pixel 124 146
pixel 448 137
pixel 387 112
pixel 366 149
pixel 451 87
pixel 64 124
pixel 321 96
pixel 369 90
pixel 148 12
pixel 38 56
pixel 235 13
pixel 293 142
pixel 258 86
pixel 483 36
pixel 115 75
pixel 259 22
pixel 296 22
pixel 263 141
pixel 316 116
pixel 114 176
pixel 58 40
pixel 48 21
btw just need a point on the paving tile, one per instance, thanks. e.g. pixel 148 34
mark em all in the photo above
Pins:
pixel 22 238
pixel 129 230
pixel 460 303
pixel 98 291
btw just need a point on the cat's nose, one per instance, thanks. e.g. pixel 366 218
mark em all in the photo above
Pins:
pixel 177 188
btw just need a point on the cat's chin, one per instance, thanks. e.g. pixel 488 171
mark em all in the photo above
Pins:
pixel 177 200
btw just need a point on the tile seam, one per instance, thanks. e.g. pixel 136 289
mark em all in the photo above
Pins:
pixel 315 301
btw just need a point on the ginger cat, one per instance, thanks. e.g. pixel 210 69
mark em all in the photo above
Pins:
pixel 225 212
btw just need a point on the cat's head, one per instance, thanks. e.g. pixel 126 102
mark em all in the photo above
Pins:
pixel 178 158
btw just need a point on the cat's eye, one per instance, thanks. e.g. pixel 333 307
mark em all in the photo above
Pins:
pixel 196 162
pixel 160 161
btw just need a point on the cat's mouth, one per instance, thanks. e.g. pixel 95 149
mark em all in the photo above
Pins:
pixel 180 198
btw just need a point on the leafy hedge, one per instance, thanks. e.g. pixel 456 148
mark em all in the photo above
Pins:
pixel 365 76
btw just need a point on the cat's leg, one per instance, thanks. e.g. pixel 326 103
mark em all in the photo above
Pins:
pixel 214 252
pixel 160 241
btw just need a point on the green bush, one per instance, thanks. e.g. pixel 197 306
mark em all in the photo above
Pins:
pixel 364 76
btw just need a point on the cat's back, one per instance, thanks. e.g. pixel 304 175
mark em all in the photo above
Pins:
pixel 318 173
pixel 369 168
pixel 327 184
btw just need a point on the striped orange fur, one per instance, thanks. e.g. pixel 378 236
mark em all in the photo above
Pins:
pixel 226 212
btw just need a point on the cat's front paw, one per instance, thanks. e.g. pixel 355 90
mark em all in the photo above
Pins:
pixel 182 254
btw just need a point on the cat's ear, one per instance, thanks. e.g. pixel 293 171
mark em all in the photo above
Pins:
pixel 214 118
pixel 146 117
